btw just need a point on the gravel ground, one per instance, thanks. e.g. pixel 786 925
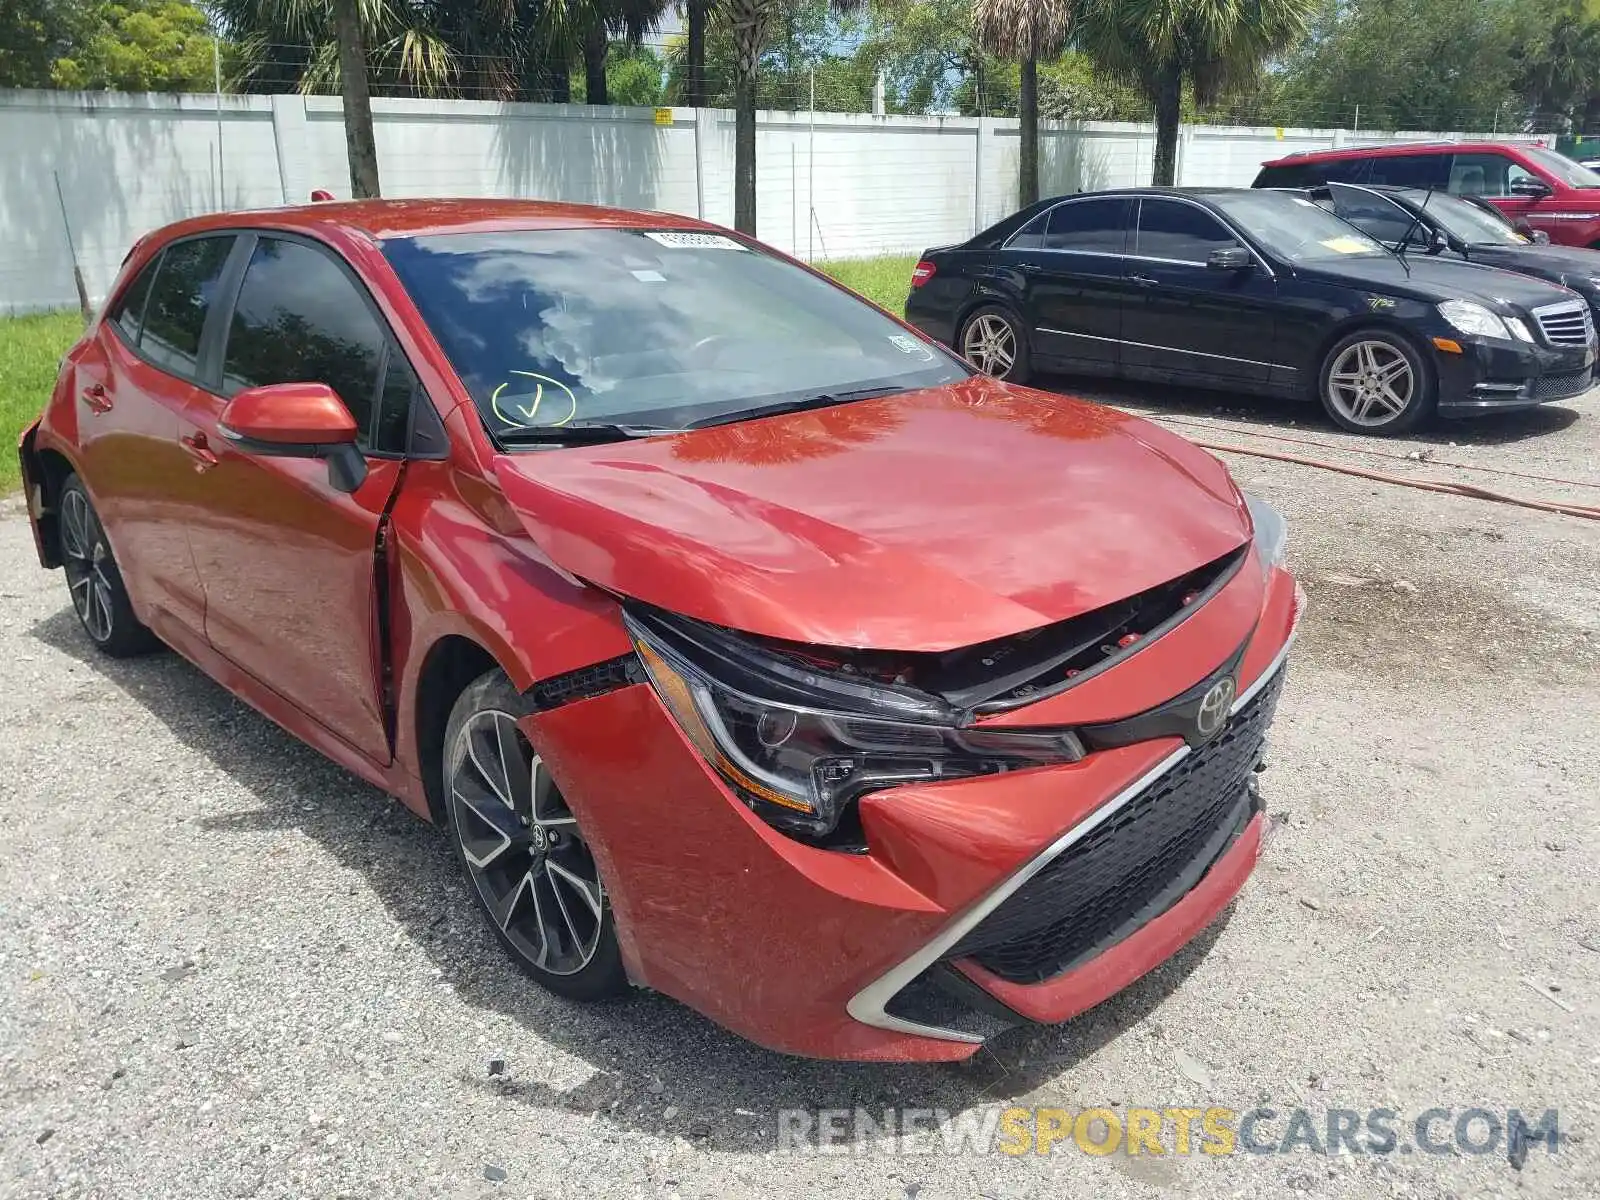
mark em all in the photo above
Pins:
pixel 229 969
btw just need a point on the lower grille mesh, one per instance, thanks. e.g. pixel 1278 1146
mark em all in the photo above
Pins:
pixel 1097 892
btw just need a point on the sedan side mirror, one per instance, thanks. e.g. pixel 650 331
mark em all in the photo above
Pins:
pixel 1538 237
pixel 297 420
pixel 1229 258
pixel 1527 186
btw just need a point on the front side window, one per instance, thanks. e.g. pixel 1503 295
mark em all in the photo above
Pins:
pixel 1483 175
pixel 1173 230
pixel 300 319
pixel 1373 214
pixel 1088 225
pixel 646 327
pixel 181 297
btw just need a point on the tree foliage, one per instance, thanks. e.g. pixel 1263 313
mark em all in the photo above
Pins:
pixel 129 45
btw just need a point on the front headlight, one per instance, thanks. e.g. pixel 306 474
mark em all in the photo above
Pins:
pixel 1473 319
pixel 1518 328
pixel 1272 531
pixel 801 767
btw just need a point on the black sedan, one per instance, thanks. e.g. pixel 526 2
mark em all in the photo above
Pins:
pixel 1256 291
pixel 1437 223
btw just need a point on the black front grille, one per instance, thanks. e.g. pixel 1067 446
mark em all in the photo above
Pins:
pixel 1558 387
pixel 1132 867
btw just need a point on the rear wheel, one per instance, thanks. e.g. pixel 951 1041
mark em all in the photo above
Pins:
pixel 532 873
pixel 995 342
pixel 98 595
pixel 1374 381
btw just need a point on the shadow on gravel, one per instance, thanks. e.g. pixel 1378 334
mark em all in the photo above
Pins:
pixel 647 1052
pixel 1185 400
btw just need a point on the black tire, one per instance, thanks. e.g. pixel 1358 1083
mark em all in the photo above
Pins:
pixel 552 925
pixel 1355 394
pixel 99 596
pixel 986 321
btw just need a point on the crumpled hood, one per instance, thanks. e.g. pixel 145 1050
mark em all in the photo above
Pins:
pixel 924 521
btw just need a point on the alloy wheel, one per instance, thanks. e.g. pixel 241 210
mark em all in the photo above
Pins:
pixel 1371 383
pixel 85 556
pixel 990 344
pixel 523 849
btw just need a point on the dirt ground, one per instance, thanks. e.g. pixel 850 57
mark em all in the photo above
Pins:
pixel 229 969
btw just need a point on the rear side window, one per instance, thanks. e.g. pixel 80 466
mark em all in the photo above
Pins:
pixel 129 315
pixel 1181 232
pixel 1289 176
pixel 184 289
pixel 1408 170
pixel 1087 225
pixel 300 319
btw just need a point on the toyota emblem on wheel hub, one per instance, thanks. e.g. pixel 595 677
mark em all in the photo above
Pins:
pixel 1214 707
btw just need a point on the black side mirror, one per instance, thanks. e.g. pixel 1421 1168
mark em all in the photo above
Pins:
pixel 1229 258
pixel 1530 187
pixel 1439 242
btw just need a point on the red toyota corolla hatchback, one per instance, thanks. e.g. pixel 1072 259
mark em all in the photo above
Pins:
pixel 750 645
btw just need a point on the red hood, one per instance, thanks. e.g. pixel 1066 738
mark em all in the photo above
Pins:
pixel 924 521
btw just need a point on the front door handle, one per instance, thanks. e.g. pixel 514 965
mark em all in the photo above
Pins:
pixel 1029 268
pixel 1143 280
pixel 96 398
pixel 199 450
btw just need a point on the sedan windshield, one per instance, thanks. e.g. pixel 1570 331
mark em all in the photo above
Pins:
pixel 1294 228
pixel 1465 220
pixel 647 329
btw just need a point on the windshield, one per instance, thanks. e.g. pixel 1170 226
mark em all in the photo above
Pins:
pixel 1294 228
pixel 655 328
pixel 1563 168
pixel 1463 219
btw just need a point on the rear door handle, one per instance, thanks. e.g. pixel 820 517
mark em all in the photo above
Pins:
pixel 1144 280
pixel 199 450
pixel 96 398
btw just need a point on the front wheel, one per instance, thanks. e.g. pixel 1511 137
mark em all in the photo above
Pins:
pixel 99 596
pixel 532 873
pixel 1374 381
pixel 995 342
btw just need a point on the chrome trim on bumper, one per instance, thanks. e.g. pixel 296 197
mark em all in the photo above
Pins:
pixel 870 1004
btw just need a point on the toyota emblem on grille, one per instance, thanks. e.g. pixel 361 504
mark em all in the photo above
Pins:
pixel 1214 708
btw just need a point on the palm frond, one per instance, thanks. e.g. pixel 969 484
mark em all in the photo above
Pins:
pixel 1022 29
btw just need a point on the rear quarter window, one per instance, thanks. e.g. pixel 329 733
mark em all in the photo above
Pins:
pixel 1288 176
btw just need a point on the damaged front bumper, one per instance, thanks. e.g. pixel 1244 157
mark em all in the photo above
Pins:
pixel 885 955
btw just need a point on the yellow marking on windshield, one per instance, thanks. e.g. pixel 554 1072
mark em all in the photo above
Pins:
pixel 524 410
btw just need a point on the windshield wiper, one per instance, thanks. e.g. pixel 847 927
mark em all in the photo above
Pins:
pixel 586 433
pixel 819 400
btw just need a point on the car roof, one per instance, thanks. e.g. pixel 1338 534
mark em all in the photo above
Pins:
pixel 383 219
pixel 1396 149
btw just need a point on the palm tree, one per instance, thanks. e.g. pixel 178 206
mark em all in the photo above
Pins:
pixel 749 23
pixel 1024 31
pixel 1212 46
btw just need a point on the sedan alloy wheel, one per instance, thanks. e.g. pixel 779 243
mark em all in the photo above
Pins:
pixel 991 342
pixel 1374 382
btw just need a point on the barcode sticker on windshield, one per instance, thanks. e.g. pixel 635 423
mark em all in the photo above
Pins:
pixel 681 240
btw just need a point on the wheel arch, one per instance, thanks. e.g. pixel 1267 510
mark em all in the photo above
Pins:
pixel 1361 323
pixel 449 666
pixel 44 472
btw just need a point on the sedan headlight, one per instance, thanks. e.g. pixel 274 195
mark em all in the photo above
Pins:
pixel 1518 328
pixel 799 746
pixel 1473 319
pixel 1272 531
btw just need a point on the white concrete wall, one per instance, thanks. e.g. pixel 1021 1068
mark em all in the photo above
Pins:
pixel 832 186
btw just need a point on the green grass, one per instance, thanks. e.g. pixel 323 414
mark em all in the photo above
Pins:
pixel 30 353
pixel 884 281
